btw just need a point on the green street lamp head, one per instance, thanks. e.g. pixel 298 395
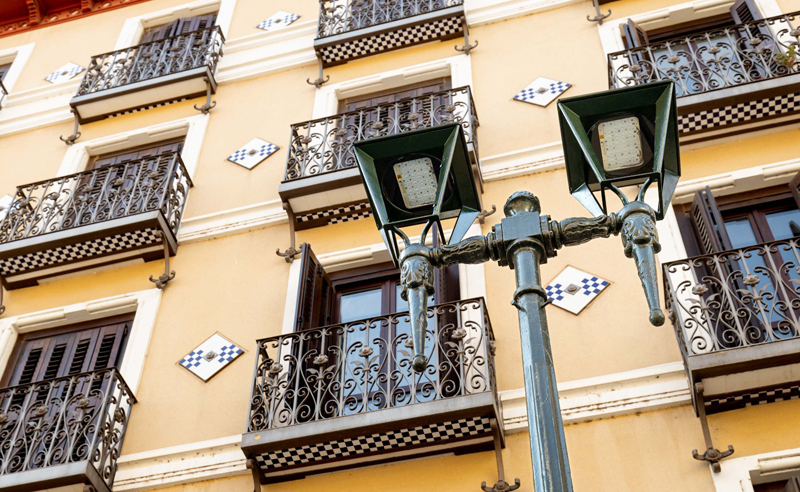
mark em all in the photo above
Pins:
pixel 618 138
pixel 419 177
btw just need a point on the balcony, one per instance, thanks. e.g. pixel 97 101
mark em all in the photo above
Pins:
pixel 344 395
pixel 725 77
pixel 350 29
pixel 736 315
pixel 123 212
pixel 322 182
pixel 66 432
pixel 174 68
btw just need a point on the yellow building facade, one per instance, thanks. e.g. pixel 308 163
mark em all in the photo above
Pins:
pixel 131 131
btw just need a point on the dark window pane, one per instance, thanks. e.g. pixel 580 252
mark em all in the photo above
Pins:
pixel 779 223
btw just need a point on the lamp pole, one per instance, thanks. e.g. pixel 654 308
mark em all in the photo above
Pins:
pixel 523 241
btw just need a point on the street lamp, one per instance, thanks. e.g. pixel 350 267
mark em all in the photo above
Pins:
pixel 611 139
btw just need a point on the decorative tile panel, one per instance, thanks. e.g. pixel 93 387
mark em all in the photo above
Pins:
pixel 542 91
pixel 390 40
pixel 374 443
pixel 339 214
pixel 251 154
pixel 279 20
pixel 738 113
pixel 751 399
pixel 64 73
pixel 573 289
pixel 211 356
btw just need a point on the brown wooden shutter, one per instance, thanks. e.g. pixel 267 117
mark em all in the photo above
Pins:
pixel 47 357
pixel 137 153
pixel 635 36
pixel 708 224
pixel 158 33
pixel 315 294
pixel 191 24
pixel 744 11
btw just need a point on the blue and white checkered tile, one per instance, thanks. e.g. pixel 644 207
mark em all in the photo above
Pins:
pixel 389 40
pixel 64 73
pixel 382 442
pixel 349 211
pixel 739 113
pixel 542 91
pixel 280 20
pixel 252 153
pixel 211 356
pixel 573 289
pixel 80 251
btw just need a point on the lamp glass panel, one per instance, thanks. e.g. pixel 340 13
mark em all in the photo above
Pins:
pixel 417 182
pixel 621 143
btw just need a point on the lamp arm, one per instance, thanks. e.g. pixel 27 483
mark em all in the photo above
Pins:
pixel 579 230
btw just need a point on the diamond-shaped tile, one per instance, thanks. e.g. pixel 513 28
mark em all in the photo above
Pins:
pixel 211 356
pixel 64 73
pixel 253 153
pixel 573 289
pixel 542 91
pixel 280 20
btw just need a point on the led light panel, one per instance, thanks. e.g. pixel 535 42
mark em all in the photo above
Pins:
pixel 620 143
pixel 417 182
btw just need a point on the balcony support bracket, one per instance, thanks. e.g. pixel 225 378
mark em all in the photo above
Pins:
pixel 712 454
pixel 253 467
pixel 209 105
pixel 2 305
pixel 501 485
pixel 168 275
pixel 75 133
pixel 291 252
pixel 485 213
pixel 467 47
pixel 599 17
pixel 318 83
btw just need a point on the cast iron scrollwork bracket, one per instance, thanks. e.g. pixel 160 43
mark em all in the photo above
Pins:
pixel 501 485
pixel 168 275
pixel 253 467
pixel 75 133
pixel 318 83
pixel 289 254
pixel 712 454
pixel 485 213
pixel 467 47
pixel 209 105
pixel 599 17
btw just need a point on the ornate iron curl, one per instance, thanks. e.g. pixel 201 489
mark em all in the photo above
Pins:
pixel 168 274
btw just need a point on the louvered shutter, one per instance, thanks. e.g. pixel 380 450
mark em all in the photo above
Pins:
pixel 793 485
pixel 708 224
pixel 158 33
pixel 635 36
pixel 191 24
pixel 315 293
pixel 744 11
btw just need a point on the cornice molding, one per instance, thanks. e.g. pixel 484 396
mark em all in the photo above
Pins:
pixel 482 12
pixel 533 160
pixel 233 221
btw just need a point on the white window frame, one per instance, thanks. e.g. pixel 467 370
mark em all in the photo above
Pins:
pixel 471 278
pixel 458 68
pixel 134 27
pixel 143 303
pixel 17 56
pixel 611 30
pixel 740 474
pixel 193 128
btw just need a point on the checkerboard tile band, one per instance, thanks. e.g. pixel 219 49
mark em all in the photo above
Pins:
pixel 759 398
pixel 362 445
pixel 278 21
pixel 392 39
pixel 211 356
pixel 350 218
pixel 738 113
pixel 358 208
pixel 145 108
pixel 80 251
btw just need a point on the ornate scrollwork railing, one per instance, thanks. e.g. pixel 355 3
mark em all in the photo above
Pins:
pixel 201 48
pixel 737 298
pixel 365 366
pixel 326 145
pixel 340 16
pixel 65 420
pixel 715 59
pixel 152 183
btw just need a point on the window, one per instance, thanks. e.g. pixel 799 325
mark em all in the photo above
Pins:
pixel 4 70
pixel 177 27
pixel 791 485
pixel 159 148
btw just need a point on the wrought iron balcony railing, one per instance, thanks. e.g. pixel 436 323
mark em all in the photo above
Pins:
pixel 71 420
pixel 365 366
pixel 326 145
pixel 150 184
pixel 715 59
pixel 341 16
pixel 197 49
pixel 742 297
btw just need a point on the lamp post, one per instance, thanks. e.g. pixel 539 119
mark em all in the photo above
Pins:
pixel 611 139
